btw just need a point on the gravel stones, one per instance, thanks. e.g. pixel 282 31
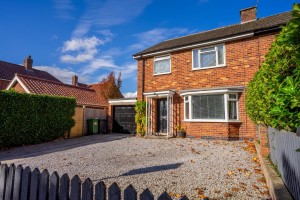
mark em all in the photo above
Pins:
pixel 192 167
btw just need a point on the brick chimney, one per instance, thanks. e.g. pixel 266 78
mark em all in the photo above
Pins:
pixel 74 80
pixel 28 62
pixel 248 14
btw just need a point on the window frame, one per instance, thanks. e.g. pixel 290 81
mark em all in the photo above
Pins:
pixel 216 50
pixel 161 58
pixel 226 108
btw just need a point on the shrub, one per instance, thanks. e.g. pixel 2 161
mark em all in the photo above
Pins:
pixel 31 119
pixel 273 96
pixel 140 117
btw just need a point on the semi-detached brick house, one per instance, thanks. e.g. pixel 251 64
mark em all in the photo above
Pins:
pixel 199 81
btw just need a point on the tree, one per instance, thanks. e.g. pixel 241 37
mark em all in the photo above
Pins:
pixel 273 95
pixel 110 86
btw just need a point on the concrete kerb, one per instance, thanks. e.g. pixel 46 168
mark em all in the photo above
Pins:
pixel 277 189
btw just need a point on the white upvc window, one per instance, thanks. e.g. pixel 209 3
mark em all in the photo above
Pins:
pixel 209 57
pixel 211 107
pixel 162 65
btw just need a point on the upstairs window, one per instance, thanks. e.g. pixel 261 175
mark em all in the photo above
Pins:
pixel 209 57
pixel 162 65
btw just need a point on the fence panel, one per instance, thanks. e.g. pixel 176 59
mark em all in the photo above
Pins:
pixel 283 146
pixel 64 187
pixel 100 191
pixel 3 174
pixel 75 188
pixel 9 182
pixel 25 184
pixel 54 186
pixel 18 183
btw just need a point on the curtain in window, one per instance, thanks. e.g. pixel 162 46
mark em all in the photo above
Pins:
pixel 162 66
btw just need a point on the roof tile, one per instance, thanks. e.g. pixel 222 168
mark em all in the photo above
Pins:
pixel 83 96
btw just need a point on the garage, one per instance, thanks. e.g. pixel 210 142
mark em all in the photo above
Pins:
pixel 123 115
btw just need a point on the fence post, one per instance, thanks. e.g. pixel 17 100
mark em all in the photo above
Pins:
pixel 54 186
pixel 17 183
pixel 87 189
pixel 75 188
pixel 25 184
pixel 44 185
pixel 64 187
pixel 130 193
pixel 34 184
pixel 114 192
pixel 3 174
pixel 164 196
pixel 10 182
pixel 100 191
pixel 146 195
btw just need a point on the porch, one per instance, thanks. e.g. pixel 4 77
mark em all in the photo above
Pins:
pixel 160 114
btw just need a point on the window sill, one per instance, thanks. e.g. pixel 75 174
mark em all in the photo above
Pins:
pixel 219 121
pixel 203 68
pixel 162 74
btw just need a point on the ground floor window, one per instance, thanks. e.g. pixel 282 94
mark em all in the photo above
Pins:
pixel 211 107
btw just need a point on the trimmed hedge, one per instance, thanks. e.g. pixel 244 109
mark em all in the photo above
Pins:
pixel 273 96
pixel 30 119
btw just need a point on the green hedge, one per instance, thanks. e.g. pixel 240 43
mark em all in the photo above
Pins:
pixel 273 96
pixel 30 119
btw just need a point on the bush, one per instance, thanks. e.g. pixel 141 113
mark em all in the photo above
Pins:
pixel 140 117
pixel 30 119
pixel 273 96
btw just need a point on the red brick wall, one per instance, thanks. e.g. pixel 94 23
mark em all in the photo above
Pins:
pixel 18 88
pixel 3 84
pixel 243 59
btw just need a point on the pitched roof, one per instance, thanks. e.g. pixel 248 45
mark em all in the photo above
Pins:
pixel 83 96
pixel 8 71
pixel 220 33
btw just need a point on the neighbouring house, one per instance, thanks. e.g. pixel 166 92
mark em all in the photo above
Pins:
pixel 8 71
pixel 199 81
pixel 90 104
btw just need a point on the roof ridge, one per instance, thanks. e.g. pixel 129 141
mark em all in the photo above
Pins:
pixel 58 83
pixel 225 26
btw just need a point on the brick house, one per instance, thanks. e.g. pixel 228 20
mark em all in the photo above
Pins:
pixel 8 71
pixel 90 104
pixel 199 81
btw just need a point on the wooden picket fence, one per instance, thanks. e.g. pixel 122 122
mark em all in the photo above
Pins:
pixel 17 183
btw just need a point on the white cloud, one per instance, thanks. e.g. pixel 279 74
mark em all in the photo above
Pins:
pixel 108 13
pixel 64 9
pixel 154 36
pixel 64 75
pixel 99 63
pixel 78 50
pixel 129 70
pixel 130 94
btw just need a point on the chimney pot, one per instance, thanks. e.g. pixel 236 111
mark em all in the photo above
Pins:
pixel 248 14
pixel 28 62
pixel 74 80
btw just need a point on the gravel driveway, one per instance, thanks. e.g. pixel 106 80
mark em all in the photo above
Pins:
pixel 192 167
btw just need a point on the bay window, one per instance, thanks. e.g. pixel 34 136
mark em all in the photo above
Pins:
pixel 211 107
pixel 209 57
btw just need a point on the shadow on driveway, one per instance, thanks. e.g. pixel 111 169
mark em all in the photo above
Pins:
pixel 56 146
pixel 146 170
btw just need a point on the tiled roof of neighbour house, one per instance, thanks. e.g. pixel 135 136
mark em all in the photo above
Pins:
pixel 266 23
pixel 83 96
pixel 98 87
pixel 8 71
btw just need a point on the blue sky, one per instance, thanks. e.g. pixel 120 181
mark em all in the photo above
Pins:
pixel 92 37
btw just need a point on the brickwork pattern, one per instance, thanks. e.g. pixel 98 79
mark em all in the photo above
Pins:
pixel 243 58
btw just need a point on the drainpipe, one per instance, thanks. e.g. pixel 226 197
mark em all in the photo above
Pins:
pixel 143 77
